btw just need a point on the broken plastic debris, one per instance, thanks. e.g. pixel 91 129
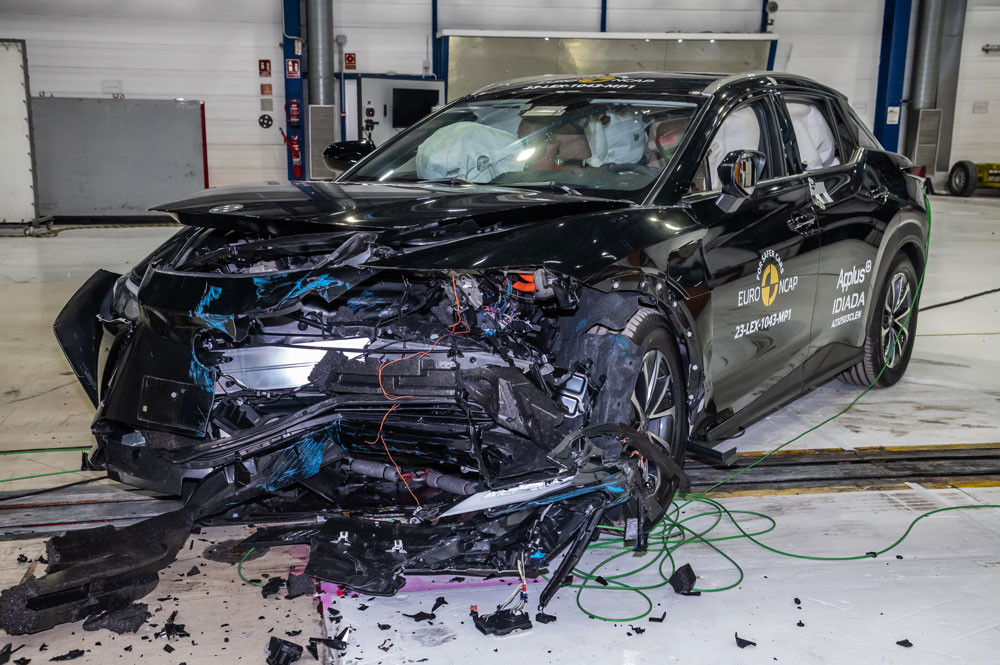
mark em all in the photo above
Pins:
pixel 800 624
pixel 69 655
pixel 438 603
pixel 658 619
pixel 542 617
pixel 905 643
pixel 683 580
pixel 384 626
pixel 299 585
pixel 386 645
pixel 282 652
pixel 171 630
pixel 126 620
pixel 421 616
pixel 501 622
pixel 272 587
pixel 194 571
pixel 600 580
pixel 742 643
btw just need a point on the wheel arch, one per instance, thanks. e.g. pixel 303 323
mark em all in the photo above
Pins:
pixel 907 233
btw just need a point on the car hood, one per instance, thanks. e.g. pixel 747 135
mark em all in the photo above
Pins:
pixel 329 206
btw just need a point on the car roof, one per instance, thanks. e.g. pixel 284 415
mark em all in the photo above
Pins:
pixel 675 83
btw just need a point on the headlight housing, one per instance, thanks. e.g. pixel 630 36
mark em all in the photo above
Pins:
pixel 125 299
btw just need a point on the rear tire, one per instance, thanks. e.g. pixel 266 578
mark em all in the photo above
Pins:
pixel 962 178
pixel 888 342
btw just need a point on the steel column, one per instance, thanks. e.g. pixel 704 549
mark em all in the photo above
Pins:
pixel 891 71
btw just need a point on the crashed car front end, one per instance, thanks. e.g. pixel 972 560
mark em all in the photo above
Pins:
pixel 455 420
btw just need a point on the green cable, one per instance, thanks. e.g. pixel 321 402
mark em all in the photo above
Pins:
pixel 45 450
pixel 38 475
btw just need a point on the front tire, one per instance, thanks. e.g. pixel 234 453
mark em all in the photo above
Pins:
pixel 890 334
pixel 657 409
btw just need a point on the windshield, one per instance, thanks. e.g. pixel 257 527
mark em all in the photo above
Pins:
pixel 613 147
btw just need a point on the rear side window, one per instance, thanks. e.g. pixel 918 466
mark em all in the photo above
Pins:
pixel 815 138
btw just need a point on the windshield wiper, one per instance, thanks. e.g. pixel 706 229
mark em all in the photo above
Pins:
pixel 557 186
pixel 449 181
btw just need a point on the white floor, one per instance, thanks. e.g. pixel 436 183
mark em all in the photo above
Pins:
pixel 943 595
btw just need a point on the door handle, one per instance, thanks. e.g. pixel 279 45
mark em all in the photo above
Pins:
pixel 802 222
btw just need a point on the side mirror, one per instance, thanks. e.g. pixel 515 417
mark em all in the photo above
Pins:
pixel 341 155
pixel 738 173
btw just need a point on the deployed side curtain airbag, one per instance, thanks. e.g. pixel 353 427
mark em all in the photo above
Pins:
pixel 817 145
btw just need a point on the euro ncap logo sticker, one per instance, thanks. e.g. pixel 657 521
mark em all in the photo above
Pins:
pixel 771 273
pixel 769 284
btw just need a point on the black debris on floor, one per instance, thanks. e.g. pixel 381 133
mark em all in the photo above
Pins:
pixel 362 607
pixel 384 626
pixel 800 624
pixel 683 579
pixel 171 630
pixel 22 661
pixel 797 601
pixel 386 645
pixel 905 643
pixel 638 630
pixel 194 571
pixel 282 652
pixel 421 616
pixel 293 633
pixel 742 643
pixel 273 586
pixel 299 585
pixel 438 603
pixel 168 648
pixel 69 655
pixel 542 617
pixel 600 580
pixel 126 620
pixel 658 619
pixel 22 559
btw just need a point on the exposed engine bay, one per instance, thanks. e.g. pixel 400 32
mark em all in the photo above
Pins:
pixel 473 421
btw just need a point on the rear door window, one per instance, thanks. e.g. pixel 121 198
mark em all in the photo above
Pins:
pixel 817 142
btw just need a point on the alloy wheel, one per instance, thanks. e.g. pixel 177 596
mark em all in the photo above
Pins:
pixel 652 409
pixel 895 319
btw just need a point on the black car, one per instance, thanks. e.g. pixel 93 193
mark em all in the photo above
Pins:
pixel 501 330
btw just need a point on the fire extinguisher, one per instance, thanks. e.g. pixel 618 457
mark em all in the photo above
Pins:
pixel 294 113
pixel 293 145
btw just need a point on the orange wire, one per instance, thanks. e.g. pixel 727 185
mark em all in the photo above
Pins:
pixel 393 398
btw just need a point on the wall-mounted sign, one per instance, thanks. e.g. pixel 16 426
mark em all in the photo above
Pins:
pixel 264 68
pixel 292 68
pixel 892 115
pixel 350 61
pixel 266 89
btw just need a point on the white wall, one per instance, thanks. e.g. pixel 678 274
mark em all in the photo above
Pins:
pixel 836 42
pixel 208 49
pixel 976 136
pixel 195 49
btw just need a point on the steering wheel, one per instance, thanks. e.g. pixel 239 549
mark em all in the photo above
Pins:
pixel 641 169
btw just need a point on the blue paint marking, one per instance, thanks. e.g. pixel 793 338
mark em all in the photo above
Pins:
pixel 267 285
pixel 216 321
pixel 201 375
pixel 299 461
